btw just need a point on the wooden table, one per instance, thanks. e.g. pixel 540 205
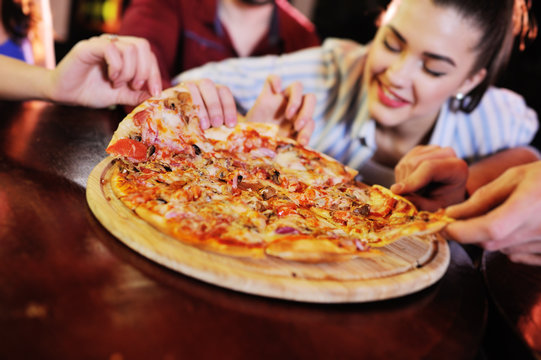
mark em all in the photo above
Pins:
pixel 70 290
pixel 515 293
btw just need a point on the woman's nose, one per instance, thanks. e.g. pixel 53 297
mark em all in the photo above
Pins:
pixel 400 73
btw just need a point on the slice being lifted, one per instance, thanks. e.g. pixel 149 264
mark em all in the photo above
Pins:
pixel 159 128
pixel 246 192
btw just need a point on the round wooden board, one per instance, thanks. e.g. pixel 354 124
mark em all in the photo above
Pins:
pixel 403 267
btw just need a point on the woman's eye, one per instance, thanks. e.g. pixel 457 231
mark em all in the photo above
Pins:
pixel 393 46
pixel 433 72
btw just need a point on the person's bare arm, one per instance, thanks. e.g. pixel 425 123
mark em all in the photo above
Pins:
pixel 503 215
pixel 98 72
pixel 489 168
pixel 22 81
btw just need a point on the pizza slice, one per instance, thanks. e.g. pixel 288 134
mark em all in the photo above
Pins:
pixel 160 128
pixel 285 161
pixel 378 216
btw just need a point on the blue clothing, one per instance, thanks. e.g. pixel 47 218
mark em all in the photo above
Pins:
pixel 12 49
pixel 333 72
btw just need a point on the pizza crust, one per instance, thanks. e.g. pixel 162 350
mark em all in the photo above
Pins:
pixel 221 133
pixel 308 251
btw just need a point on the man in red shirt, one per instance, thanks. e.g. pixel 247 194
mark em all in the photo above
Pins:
pixel 188 33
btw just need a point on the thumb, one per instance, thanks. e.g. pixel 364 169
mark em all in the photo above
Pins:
pixel 412 183
pixel 483 200
pixel 127 96
pixel 274 83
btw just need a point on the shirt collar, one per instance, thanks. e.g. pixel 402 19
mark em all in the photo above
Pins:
pixel 363 127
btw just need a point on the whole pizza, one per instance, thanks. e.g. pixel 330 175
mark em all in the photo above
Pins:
pixel 247 192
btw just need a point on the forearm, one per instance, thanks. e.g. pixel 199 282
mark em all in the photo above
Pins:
pixel 490 168
pixel 21 81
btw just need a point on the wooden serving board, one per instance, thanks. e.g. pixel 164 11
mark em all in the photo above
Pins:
pixel 403 267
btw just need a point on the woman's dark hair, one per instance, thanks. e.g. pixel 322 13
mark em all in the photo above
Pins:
pixel 496 21
pixel 15 21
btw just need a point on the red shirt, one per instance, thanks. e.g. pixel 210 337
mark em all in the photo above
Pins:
pixel 187 33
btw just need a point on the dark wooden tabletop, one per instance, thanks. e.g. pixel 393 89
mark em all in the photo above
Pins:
pixel 515 294
pixel 70 290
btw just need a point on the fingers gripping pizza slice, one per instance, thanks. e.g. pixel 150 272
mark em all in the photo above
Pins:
pixel 245 191
pixel 159 128
pixel 377 215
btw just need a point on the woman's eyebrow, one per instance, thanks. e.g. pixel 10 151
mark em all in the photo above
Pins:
pixel 440 57
pixel 426 53
pixel 397 34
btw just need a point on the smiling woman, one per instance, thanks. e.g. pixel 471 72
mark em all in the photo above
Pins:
pixel 421 56
pixel 425 79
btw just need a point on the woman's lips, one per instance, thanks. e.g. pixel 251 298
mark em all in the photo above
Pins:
pixel 387 98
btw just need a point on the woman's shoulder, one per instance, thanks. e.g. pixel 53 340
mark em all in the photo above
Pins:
pixel 343 44
pixel 504 93
pixel 344 48
pixel 505 101
pixel 499 108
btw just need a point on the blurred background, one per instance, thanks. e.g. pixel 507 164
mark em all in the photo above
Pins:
pixel 74 20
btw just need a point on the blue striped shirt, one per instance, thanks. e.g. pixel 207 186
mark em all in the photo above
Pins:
pixel 333 72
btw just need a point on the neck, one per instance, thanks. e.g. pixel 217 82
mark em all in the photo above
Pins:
pixel 246 24
pixel 412 130
pixel 237 10
pixel 394 142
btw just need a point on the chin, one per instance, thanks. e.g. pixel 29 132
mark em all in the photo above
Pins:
pixel 386 117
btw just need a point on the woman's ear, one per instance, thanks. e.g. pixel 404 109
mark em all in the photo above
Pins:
pixel 472 81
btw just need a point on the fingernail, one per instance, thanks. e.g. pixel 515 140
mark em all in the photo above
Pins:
pixel 397 188
pixel 204 122
pixel 155 90
pixel 290 113
pixel 216 121
pixel 299 124
pixel 231 122
pixel 114 75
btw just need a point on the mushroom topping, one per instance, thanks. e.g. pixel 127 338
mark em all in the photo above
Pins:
pixel 267 192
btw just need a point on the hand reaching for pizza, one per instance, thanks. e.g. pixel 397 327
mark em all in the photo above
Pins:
pixel 503 215
pixel 106 70
pixel 431 177
pixel 215 103
pixel 290 108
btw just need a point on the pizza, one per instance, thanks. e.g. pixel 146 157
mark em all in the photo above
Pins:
pixel 247 192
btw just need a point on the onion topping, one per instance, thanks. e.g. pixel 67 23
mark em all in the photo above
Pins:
pixel 286 230
pixel 261 152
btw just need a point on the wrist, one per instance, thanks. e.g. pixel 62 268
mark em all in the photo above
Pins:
pixel 48 87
